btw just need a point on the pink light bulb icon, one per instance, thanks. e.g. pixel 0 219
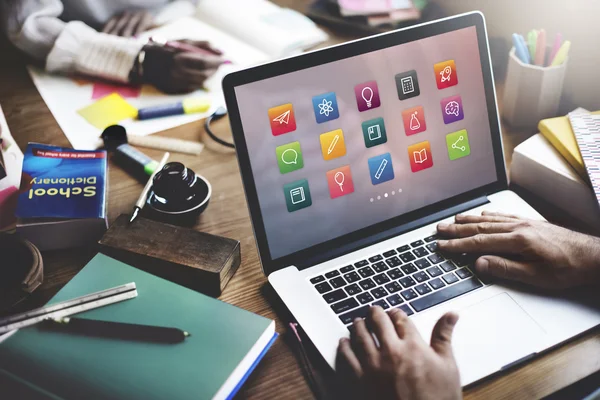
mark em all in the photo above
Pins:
pixel 367 95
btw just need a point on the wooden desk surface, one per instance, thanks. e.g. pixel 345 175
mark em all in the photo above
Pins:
pixel 279 373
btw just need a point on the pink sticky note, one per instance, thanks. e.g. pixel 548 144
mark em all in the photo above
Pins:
pixel 102 89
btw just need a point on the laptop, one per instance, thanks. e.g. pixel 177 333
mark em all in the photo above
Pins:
pixel 352 154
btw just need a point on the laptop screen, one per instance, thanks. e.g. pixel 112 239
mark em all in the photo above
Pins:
pixel 342 146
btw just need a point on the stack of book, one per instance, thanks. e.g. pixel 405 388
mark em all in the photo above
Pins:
pixel 62 200
pixel 550 166
pixel 369 15
pixel 380 12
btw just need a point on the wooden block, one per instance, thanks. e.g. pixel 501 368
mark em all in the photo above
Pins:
pixel 196 260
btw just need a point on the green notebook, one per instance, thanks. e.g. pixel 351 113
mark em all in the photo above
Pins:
pixel 226 343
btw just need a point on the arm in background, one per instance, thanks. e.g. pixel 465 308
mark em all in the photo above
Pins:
pixel 76 48
pixel 66 47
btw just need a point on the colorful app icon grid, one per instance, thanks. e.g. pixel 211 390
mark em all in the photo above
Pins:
pixel 452 109
pixel 445 74
pixel 333 144
pixel 420 157
pixel 381 168
pixel 374 132
pixel 414 120
pixel 289 157
pixel 458 144
pixel 282 119
pixel 367 96
pixel 340 182
pixel 325 107
pixel 297 195
pixel 407 85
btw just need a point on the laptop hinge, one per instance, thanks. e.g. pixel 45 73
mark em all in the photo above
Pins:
pixel 390 233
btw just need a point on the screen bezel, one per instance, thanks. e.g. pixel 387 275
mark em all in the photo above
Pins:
pixel 322 251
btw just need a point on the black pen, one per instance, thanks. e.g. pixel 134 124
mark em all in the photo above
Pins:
pixel 119 330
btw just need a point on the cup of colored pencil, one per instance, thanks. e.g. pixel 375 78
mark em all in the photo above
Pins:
pixel 536 70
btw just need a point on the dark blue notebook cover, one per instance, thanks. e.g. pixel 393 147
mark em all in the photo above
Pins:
pixel 63 183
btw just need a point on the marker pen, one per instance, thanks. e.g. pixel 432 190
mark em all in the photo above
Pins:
pixel 187 106
pixel 134 160
pixel 130 158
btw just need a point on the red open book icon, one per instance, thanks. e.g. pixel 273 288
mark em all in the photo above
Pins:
pixel 420 156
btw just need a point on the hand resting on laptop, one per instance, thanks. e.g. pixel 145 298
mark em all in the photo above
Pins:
pixel 533 252
pixel 403 366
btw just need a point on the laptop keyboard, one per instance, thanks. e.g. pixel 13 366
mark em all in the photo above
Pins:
pixel 413 277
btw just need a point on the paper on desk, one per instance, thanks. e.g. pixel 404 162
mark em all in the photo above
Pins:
pixel 274 30
pixel 368 7
pixel 64 95
pixel 9 185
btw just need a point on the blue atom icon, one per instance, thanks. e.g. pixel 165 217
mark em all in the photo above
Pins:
pixel 325 107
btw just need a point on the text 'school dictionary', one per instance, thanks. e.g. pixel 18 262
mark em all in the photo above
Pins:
pixel 62 201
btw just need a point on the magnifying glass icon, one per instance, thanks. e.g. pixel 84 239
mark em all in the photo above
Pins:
pixel 339 179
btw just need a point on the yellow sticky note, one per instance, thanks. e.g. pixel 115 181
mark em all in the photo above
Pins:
pixel 109 110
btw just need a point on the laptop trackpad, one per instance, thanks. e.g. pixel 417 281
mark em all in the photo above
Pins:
pixel 492 334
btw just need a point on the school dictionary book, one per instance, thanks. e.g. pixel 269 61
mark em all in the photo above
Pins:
pixel 63 203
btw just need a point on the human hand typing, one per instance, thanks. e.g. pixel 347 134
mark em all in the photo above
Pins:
pixel 528 251
pixel 403 365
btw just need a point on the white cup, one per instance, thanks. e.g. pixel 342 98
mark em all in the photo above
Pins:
pixel 531 92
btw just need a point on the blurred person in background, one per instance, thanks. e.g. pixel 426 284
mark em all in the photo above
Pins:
pixel 96 38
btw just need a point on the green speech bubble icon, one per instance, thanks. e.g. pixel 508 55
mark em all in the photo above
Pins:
pixel 289 157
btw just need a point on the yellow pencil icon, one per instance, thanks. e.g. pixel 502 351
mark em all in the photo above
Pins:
pixel 333 143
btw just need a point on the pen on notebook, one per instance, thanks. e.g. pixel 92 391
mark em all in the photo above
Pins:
pixel 187 106
pixel 144 195
pixel 120 330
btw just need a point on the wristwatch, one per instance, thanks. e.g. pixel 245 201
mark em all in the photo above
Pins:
pixel 22 270
pixel 136 75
